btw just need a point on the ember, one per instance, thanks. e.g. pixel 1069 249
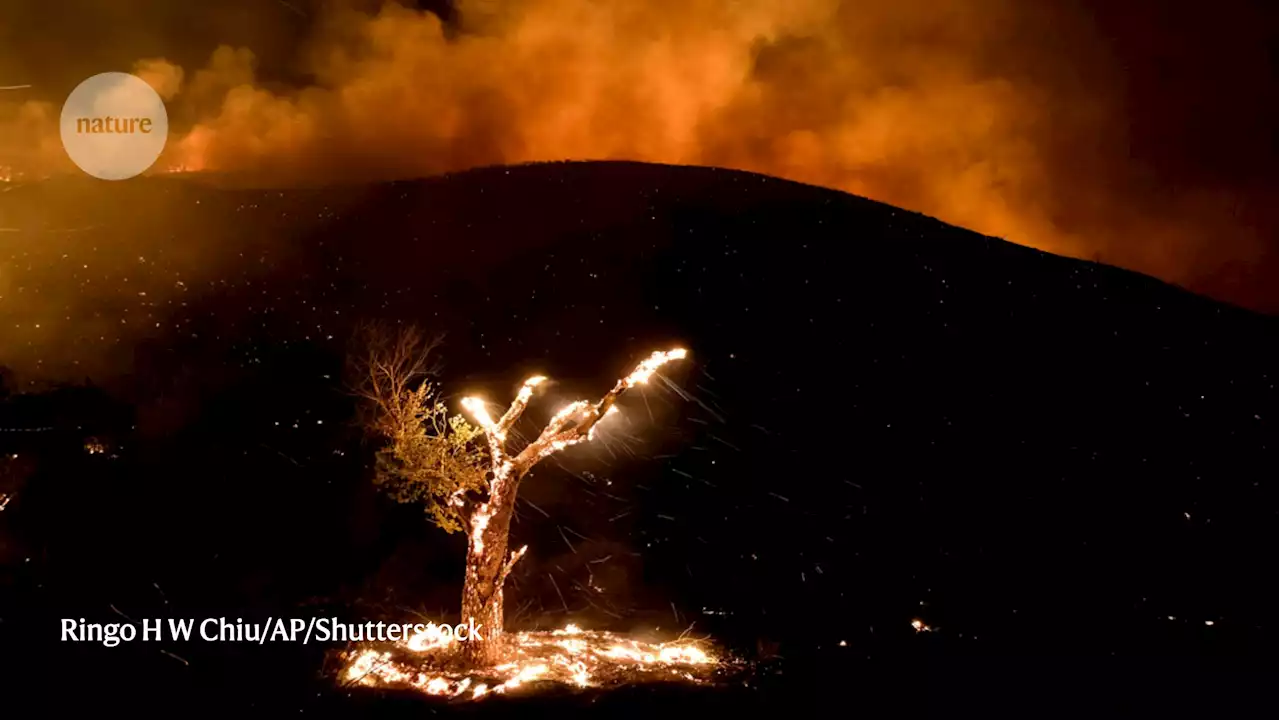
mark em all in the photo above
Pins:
pixel 570 656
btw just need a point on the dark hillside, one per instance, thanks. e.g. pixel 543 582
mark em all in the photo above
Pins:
pixel 1066 469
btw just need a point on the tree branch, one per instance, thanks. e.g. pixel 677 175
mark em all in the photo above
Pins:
pixel 388 368
pixel 511 562
pixel 431 457
pixel 577 421
pixel 519 404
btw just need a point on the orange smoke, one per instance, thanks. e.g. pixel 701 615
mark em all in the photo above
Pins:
pixel 950 108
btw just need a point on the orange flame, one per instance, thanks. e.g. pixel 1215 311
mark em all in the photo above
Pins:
pixel 571 656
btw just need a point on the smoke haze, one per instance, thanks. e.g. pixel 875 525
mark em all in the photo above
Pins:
pixel 1044 123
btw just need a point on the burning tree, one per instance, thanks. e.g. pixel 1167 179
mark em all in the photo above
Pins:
pixel 466 483
pixel 431 457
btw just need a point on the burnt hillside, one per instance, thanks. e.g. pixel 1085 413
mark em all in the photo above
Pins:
pixel 885 418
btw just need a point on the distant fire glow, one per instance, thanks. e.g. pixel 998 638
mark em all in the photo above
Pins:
pixel 569 656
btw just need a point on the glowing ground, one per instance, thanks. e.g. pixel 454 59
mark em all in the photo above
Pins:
pixel 567 657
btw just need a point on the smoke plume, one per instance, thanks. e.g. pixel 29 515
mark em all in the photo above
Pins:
pixel 1009 118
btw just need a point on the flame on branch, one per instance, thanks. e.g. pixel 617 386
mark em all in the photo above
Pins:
pixel 647 368
pixel 574 423
pixel 488 563
pixel 439 460
pixel 519 404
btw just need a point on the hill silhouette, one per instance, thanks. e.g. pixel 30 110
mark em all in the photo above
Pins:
pixel 885 418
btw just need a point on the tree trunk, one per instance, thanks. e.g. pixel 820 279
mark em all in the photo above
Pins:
pixel 482 598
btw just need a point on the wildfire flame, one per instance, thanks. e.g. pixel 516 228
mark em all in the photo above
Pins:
pixel 476 407
pixel 641 374
pixel 574 423
pixel 526 390
pixel 569 656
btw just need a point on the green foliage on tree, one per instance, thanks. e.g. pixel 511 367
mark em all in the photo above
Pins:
pixel 436 464
pixel 429 456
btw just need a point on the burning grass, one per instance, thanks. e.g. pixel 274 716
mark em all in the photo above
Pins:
pixel 567 657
